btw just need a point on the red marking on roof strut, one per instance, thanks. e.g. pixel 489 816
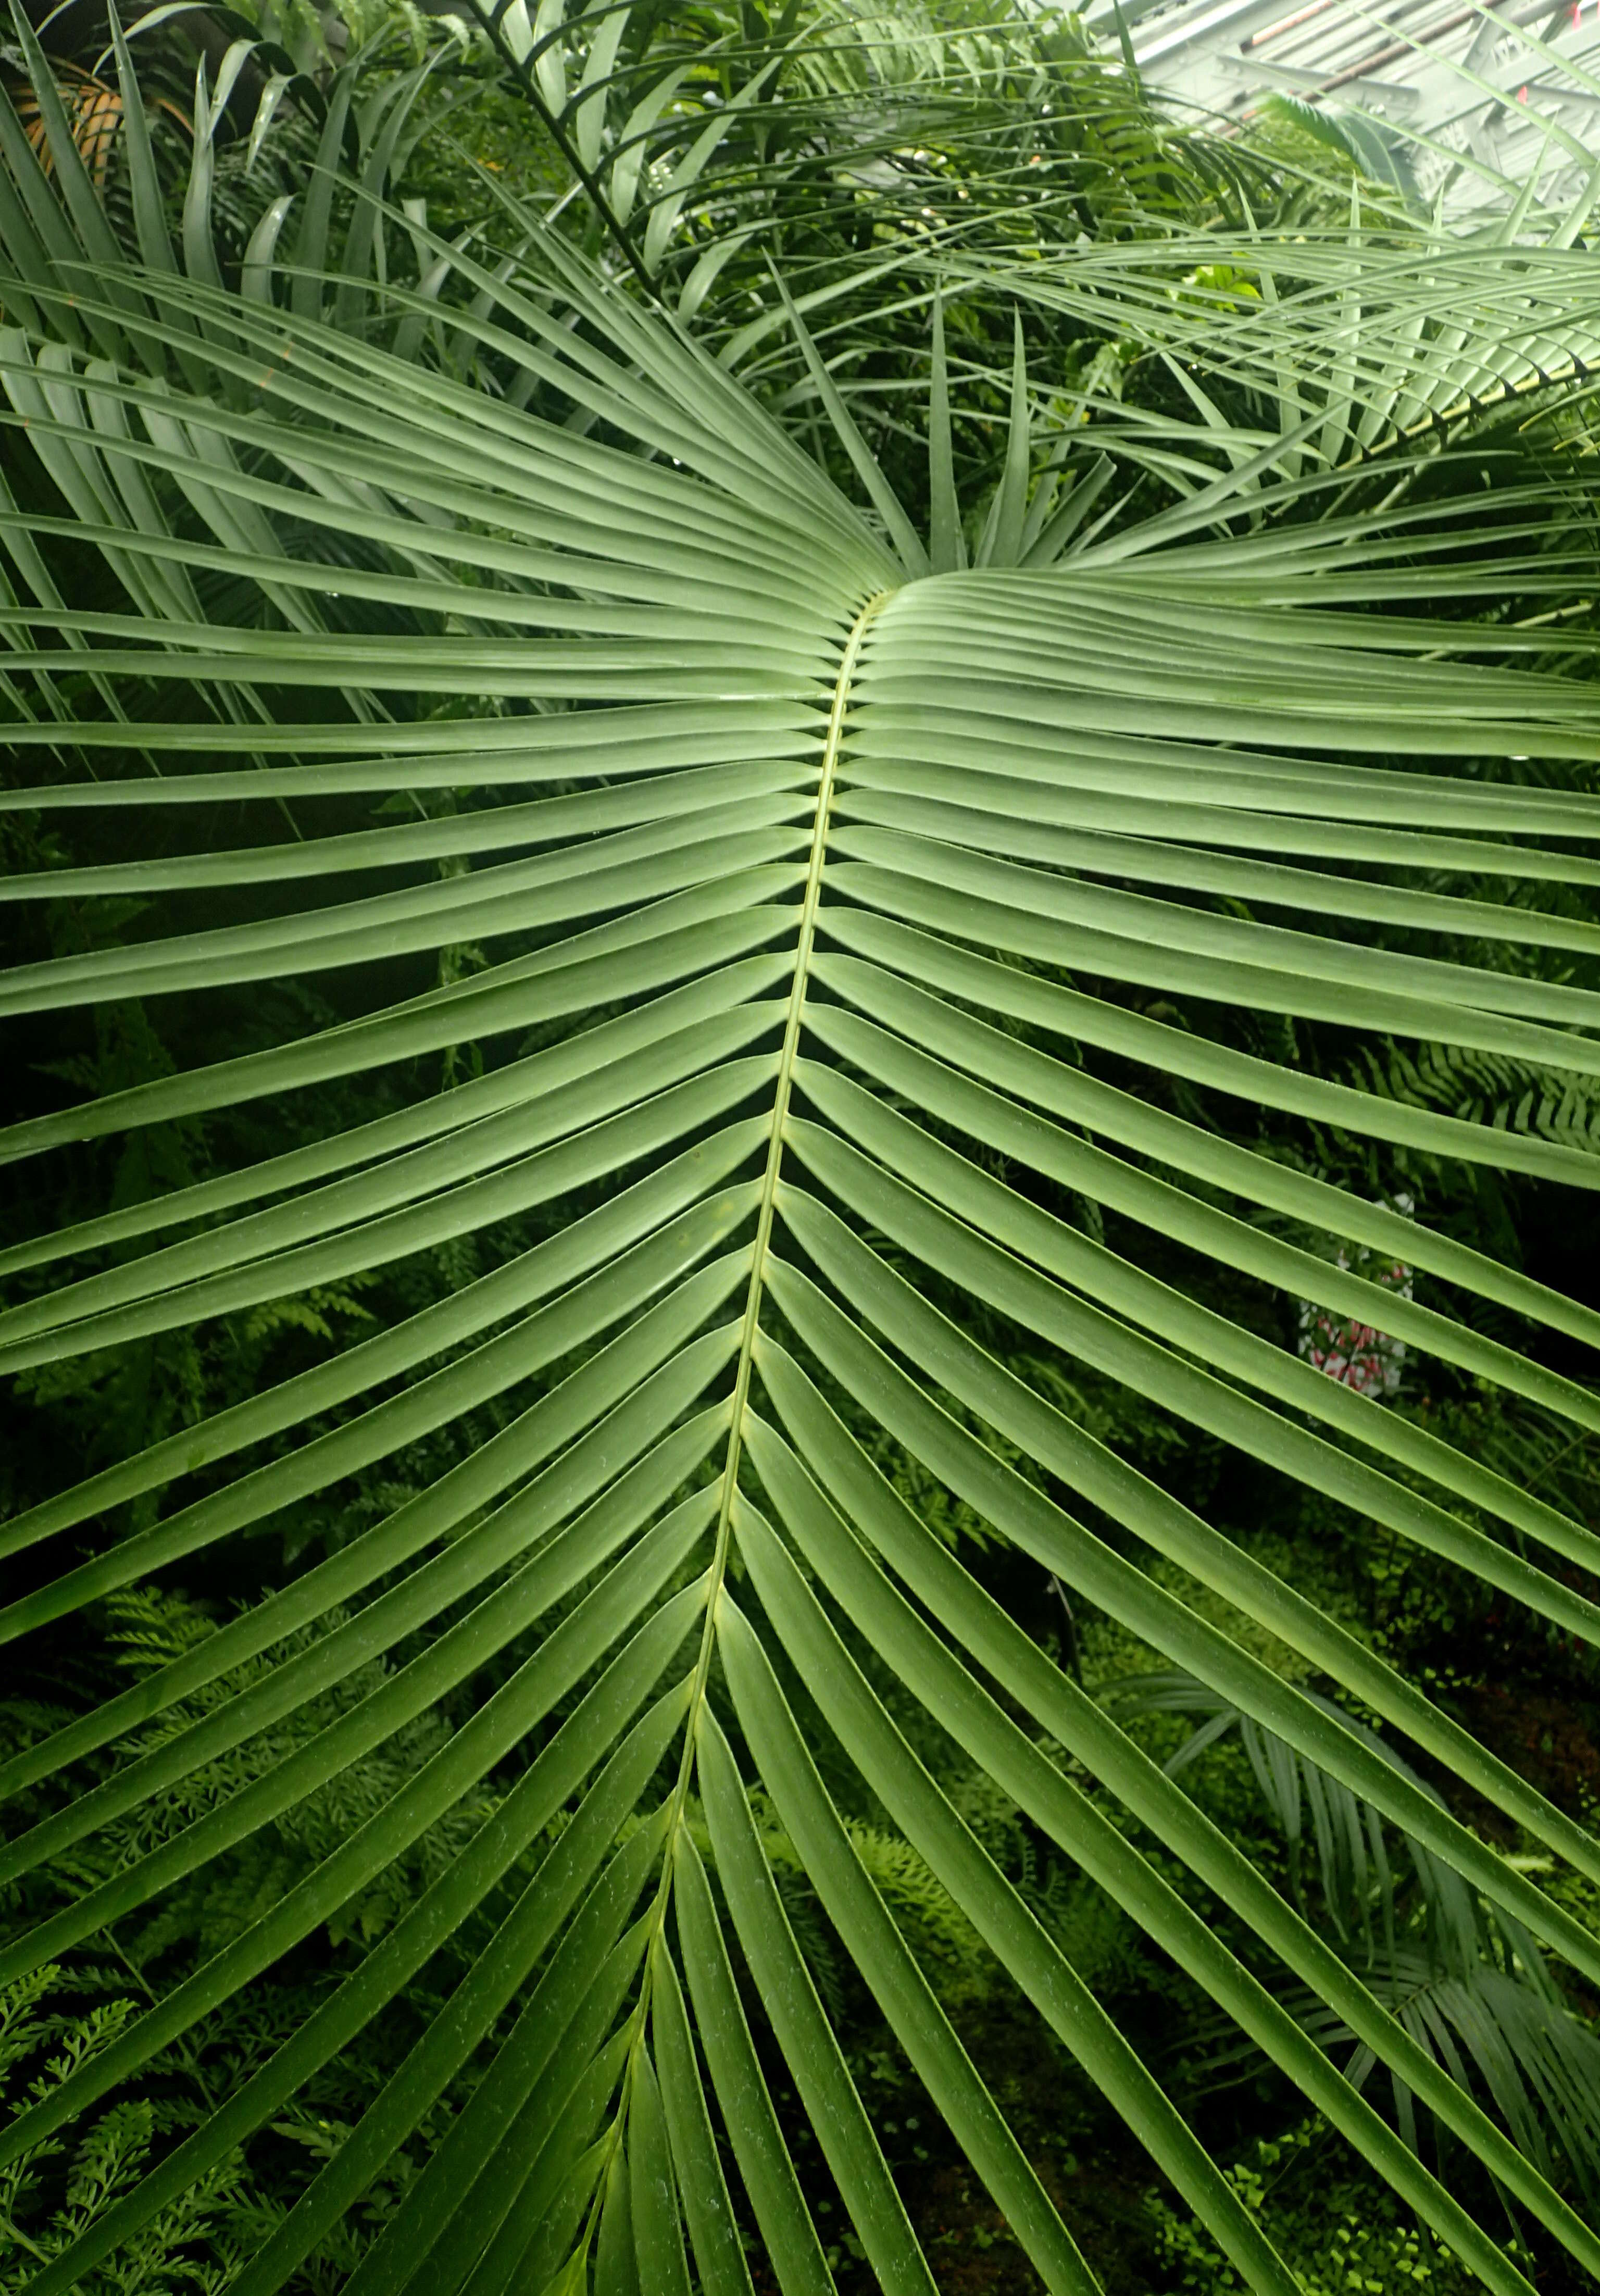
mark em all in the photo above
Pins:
pixel 1285 24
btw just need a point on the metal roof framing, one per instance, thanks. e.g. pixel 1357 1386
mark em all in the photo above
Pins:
pixel 1470 99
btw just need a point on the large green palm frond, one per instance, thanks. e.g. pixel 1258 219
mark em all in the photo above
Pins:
pixel 822 881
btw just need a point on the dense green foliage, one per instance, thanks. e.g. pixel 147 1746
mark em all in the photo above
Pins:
pixel 540 417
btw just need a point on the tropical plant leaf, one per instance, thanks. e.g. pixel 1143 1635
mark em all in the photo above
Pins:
pixel 802 877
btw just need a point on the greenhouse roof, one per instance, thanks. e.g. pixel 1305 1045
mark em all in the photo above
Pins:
pixel 1473 99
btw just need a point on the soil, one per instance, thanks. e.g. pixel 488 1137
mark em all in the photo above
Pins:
pixel 1549 1738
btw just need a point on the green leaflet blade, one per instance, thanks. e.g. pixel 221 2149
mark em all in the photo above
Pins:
pixel 658 2231
pixel 718 2252
pixel 741 2086
pixel 1074 1554
pixel 807 2039
pixel 963 1707
pixel 869 1933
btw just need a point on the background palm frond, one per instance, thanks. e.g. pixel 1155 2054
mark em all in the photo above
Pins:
pixel 1466 1981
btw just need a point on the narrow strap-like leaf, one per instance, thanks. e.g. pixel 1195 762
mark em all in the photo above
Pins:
pixel 809 2045
pixel 708 2205
pixel 1069 1550
pixel 747 2109
pixel 658 2231
pixel 1082 1728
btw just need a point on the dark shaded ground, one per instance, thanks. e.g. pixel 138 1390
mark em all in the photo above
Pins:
pixel 1547 1736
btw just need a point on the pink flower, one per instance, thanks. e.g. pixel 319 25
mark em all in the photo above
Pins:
pixel 1358 1356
